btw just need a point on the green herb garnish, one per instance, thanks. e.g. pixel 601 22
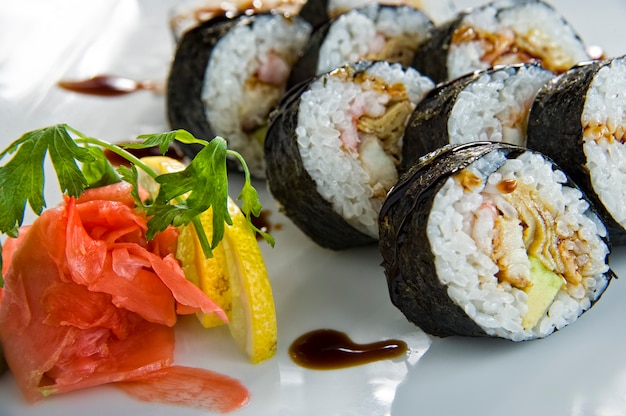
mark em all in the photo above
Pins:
pixel 80 163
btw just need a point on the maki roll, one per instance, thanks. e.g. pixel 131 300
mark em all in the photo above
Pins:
pixel 487 105
pixel 190 13
pixel 373 32
pixel 228 74
pixel 501 32
pixel 491 239
pixel 578 120
pixel 334 145
pixel 318 12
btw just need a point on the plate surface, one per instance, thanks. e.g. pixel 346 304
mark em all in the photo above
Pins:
pixel 578 371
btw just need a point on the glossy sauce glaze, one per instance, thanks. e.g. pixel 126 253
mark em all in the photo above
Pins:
pixel 173 152
pixel 108 85
pixel 327 349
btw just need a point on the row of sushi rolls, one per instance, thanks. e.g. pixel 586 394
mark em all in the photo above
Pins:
pixel 481 150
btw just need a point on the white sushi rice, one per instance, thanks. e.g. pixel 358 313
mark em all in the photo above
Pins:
pixel 604 114
pixel 495 106
pixel 470 276
pixel 356 33
pixel 534 23
pixel 234 60
pixel 324 113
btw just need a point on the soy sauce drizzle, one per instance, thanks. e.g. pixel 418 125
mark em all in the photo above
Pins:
pixel 173 152
pixel 108 85
pixel 327 349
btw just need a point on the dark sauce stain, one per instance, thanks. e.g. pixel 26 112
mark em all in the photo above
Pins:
pixel 262 222
pixel 108 86
pixel 173 152
pixel 328 349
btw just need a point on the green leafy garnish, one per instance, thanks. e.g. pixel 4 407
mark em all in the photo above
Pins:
pixel 204 182
pixel 22 178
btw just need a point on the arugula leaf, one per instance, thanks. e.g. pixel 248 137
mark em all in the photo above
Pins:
pixel 164 140
pixel 99 172
pixel 205 184
pixel 64 152
pixel 22 178
pixel 251 205
pixel 130 175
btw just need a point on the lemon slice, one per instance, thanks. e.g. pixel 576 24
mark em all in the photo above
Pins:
pixel 253 316
pixel 235 277
pixel 209 274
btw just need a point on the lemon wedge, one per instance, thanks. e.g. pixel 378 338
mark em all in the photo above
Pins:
pixel 235 277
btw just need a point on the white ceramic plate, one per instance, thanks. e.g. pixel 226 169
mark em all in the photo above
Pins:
pixel 578 371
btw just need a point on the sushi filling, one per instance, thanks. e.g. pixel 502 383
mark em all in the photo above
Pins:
pixel 604 138
pixel 530 32
pixel 438 10
pixel 495 106
pixel 245 78
pixel 516 247
pixel 373 33
pixel 349 134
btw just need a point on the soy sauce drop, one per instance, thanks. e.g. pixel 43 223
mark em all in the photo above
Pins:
pixel 107 85
pixel 327 349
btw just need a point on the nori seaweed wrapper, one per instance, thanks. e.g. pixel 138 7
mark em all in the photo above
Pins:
pixel 431 56
pixel 292 186
pixel 555 129
pixel 185 109
pixel 408 260
pixel 427 127
pixel 315 12
pixel 305 67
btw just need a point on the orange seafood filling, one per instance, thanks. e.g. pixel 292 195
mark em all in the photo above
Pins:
pixel 506 47
pixel 377 139
pixel 531 233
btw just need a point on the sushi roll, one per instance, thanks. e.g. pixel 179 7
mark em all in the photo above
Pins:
pixel 373 32
pixel 578 120
pixel 228 74
pixel 188 14
pixel 501 32
pixel 487 105
pixel 334 145
pixel 491 239
pixel 318 12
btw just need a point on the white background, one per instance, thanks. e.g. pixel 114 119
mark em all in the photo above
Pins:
pixel 578 371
